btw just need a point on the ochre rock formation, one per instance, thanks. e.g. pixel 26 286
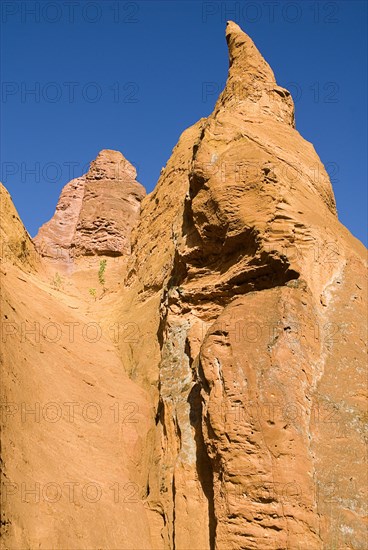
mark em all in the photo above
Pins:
pixel 218 377
pixel 95 213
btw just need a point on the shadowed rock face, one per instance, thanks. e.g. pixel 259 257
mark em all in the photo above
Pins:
pixel 245 303
pixel 95 213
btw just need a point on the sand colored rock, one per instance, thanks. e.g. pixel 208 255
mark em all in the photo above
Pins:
pixel 69 413
pixel 96 212
pixel 15 242
pixel 243 302
pixel 250 264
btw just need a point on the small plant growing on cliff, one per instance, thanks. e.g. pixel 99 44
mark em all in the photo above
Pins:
pixel 92 292
pixel 24 253
pixel 57 282
pixel 101 273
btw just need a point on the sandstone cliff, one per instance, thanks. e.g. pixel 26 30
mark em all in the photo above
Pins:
pixel 218 380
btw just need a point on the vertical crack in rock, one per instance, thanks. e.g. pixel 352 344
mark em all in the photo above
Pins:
pixel 203 462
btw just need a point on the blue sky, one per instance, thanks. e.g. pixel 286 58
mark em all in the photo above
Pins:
pixel 132 76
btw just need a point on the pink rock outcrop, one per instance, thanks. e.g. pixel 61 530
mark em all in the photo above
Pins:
pixel 96 212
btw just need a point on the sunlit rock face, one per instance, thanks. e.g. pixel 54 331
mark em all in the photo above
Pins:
pixel 96 212
pixel 233 402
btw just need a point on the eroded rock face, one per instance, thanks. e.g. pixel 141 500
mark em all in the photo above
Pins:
pixel 247 303
pixel 95 213
pixel 15 243
pixel 252 268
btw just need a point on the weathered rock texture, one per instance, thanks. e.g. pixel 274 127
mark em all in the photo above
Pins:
pixel 95 213
pixel 244 304
pixel 16 244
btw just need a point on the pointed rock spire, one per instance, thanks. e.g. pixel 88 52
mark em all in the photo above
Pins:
pixel 251 87
pixel 244 55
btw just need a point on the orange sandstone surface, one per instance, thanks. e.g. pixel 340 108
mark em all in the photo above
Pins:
pixel 186 369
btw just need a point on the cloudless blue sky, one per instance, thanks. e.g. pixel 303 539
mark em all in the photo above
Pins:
pixel 139 71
